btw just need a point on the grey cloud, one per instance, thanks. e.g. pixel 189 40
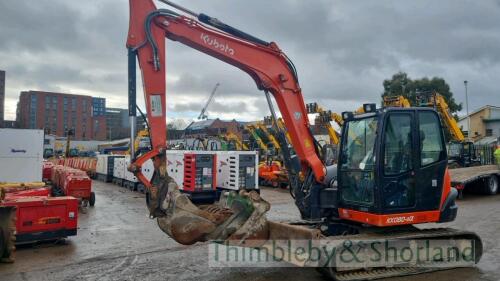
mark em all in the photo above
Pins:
pixel 214 106
pixel 342 49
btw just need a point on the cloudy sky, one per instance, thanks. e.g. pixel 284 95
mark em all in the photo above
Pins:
pixel 343 50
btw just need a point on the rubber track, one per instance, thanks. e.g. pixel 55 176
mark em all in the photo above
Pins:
pixel 377 273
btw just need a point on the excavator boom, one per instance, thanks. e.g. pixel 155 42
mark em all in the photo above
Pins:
pixel 269 67
pixel 437 101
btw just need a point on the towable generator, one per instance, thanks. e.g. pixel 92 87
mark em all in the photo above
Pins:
pixel 392 167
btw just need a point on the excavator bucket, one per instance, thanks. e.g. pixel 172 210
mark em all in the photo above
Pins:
pixel 7 233
pixel 237 217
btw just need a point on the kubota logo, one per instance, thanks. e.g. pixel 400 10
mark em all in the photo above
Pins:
pixel 216 44
pixel 179 163
pixel 222 163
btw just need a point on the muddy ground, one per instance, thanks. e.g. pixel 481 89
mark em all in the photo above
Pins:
pixel 117 241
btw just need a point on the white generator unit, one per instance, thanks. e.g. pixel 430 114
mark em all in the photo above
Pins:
pixel 237 170
pixel 119 171
pixel 21 155
pixel 105 166
pixel 194 172
pixel 147 170
pixel 130 180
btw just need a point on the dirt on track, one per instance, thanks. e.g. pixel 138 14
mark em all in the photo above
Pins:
pixel 117 241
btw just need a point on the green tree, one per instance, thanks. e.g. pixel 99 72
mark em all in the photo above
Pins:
pixel 401 84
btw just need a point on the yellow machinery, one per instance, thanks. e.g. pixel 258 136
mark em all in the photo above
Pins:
pixel 252 130
pixel 281 125
pixel 324 118
pixel 461 153
pixel 268 121
pixel 141 141
pixel 232 137
pixel 437 101
pixel 396 101
pixel 262 127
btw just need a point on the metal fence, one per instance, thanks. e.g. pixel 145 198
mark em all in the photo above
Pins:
pixel 485 153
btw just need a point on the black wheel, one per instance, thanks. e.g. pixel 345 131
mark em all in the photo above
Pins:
pixel 92 199
pixel 491 185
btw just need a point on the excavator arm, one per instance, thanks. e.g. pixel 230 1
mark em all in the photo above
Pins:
pixel 269 136
pixel 448 119
pixel 272 71
pixel 270 68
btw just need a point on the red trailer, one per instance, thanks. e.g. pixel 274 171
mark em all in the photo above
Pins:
pixel 79 186
pixel 42 191
pixel 41 218
pixel 67 181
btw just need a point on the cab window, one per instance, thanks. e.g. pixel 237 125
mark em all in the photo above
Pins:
pixel 358 158
pixel 398 145
pixel 431 144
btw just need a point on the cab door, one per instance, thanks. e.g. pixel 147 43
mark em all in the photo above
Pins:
pixel 397 166
pixel 432 160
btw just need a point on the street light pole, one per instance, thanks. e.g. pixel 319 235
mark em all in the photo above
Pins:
pixel 469 131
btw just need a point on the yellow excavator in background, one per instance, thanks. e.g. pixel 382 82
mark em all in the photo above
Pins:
pixel 230 137
pixel 252 129
pixel 271 169
pixel 268 121
pixel 263 128
pixel 461 152
pixel 396 101
pixel 324 118
pixel 142 142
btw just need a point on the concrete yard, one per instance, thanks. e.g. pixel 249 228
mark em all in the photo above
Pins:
pixel 117 241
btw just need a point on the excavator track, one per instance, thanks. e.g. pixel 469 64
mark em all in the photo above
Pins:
pixel 412 234
pixel 7 233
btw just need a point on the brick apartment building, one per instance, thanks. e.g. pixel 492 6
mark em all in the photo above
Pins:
pixel 99 125
pixel 56 113
pixel 2 97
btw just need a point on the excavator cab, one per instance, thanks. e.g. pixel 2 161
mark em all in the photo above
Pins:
pixel 462 154
pixel 393 161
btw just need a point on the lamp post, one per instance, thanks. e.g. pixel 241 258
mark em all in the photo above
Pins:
pixel 469 131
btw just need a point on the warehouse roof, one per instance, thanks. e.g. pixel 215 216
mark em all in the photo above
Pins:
pixel 199 125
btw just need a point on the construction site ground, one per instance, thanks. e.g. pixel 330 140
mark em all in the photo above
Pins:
pixel 117 241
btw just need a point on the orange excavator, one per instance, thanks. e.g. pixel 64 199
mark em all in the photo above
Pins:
pixel 391 175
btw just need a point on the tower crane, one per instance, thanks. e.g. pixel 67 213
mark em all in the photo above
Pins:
pixel 202 115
